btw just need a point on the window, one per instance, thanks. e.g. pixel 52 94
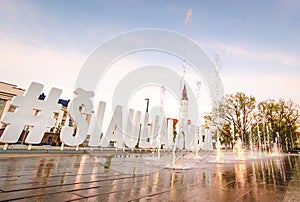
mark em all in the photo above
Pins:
pixel 2 105
pixel 2 102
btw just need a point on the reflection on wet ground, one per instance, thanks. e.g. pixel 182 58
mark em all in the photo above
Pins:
pixel 85 177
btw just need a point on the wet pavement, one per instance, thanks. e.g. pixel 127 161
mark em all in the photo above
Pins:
pixel 85 177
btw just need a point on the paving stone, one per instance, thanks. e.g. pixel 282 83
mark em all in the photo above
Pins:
pixel 51 197
pixel 112 197
pixel 17 194
pixel 63 177
pixel 11 186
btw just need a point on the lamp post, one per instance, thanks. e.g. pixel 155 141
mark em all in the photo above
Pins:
pixel 147 110
pixel 139 136
pixel 147 99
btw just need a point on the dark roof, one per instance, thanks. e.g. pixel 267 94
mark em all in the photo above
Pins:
pixel 42 96
pixel 60 101
pixel 63 102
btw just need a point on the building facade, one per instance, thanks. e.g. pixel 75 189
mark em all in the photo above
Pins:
pixel 51 136
pixel 7 93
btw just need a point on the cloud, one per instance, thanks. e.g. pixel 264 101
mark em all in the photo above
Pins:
pixel 264 86
pixel 263 74
pixel 288 6
pixel 12 9
pixel 257 55
pixel 23 63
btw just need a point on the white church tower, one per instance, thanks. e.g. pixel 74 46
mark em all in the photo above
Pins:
pixel 184 105
pixel 181 126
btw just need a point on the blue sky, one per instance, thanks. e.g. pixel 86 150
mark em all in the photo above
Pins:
pixel 257 40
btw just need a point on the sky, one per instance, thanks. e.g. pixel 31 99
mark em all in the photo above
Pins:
pixel 257 41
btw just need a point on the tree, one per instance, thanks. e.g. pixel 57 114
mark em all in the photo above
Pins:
pixel 263 123
pixel 226 136
pixel 214 120
pixel 279 119
pixel 239 114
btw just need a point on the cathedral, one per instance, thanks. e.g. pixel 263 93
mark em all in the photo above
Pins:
pixel 184 104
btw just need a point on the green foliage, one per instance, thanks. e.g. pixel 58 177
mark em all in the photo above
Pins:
pixel 239 114
pixel 259 123
pixel 281 118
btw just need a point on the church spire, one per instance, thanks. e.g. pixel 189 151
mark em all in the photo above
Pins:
pixel 184 94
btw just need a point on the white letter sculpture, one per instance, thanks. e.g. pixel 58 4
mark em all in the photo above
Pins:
pixel 82 100
pixel 23 116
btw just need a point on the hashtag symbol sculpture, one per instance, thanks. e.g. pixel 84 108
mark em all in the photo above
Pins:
pixel 23 116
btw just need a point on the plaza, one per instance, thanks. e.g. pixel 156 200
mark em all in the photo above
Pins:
pixel 53 175
pixel 150 101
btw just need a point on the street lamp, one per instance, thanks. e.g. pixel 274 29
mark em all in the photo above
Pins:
pixel 139 136
pixel 147 99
